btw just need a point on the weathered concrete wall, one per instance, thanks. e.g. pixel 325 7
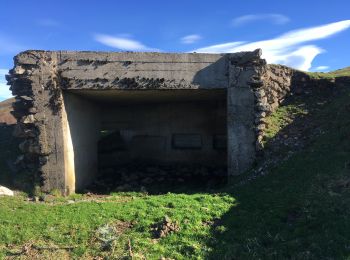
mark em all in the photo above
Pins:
pixel 83 119
pixel 141 70
pixel 37 110
pixel 39 78
pixel 150 129
pixel 246 75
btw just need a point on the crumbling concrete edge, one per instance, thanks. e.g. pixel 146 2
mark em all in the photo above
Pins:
pixel 245 75
pixel 37 108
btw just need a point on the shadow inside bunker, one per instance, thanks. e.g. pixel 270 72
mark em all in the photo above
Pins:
pixel 159 179
pixel 254 225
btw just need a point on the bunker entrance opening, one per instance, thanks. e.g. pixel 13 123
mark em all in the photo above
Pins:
pixel 157 140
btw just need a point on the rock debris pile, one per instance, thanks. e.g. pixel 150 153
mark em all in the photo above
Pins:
pixel 136 177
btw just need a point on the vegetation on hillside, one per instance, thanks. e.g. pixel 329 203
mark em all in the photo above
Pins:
pixel 298 209
pixel 345 72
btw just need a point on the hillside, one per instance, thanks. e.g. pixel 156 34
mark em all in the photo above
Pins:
pixel 295 204
pixel 341 72
pixel 344 72
pixel 5 109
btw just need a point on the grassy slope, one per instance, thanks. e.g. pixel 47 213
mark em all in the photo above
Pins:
pixel 300 210
pixel 345 72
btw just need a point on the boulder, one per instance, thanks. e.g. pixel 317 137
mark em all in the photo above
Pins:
pixel 5 191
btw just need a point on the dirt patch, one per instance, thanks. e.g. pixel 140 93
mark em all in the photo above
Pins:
pixel 121 226
pixel 164 227
pixel 213 222
pixel 5 112
pixel 32 251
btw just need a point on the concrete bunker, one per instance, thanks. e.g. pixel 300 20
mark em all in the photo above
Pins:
pixel 79 112
pixel 112 130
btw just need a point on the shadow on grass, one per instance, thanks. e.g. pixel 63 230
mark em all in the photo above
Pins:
pixel 300 209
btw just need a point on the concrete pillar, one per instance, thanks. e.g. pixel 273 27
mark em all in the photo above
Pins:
pixel 240 121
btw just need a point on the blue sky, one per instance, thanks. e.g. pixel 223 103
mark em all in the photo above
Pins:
pixel 309 35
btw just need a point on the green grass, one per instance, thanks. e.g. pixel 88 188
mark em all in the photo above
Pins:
pixel 64 224
pixel 300 210
pixel 345 72
pixel 282 117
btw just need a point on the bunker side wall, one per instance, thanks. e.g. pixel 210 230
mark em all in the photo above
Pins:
pixel 245 75
pixel 81 137
pixel 38 111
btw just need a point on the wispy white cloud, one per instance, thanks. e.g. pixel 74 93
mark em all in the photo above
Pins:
pixel 189 39
pixel 321 68
pixel 122 43
pixel 287 48
pixel 5 93
pixel 273 18
pixel 48 22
